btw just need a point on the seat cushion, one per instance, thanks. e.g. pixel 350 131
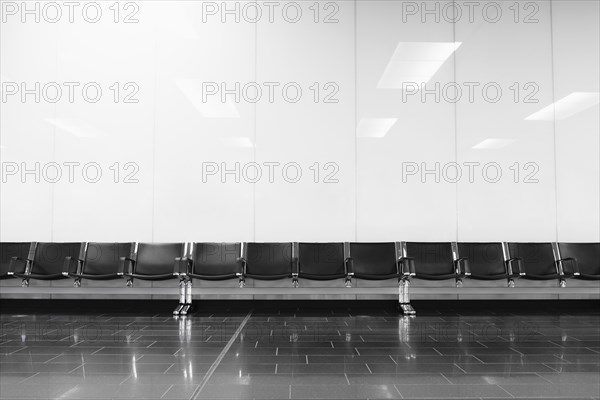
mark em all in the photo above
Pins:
pixel 486 260
pixel 8 250
pixel 431 259
pixel 157 259
pixel 587 256
pixel 269 259
pixel 317 260
pixel 373 260
pixel 538 259
pixel 50 258
pixel 216 261
pixel 104 258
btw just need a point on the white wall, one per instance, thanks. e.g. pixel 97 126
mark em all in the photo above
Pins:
pixel 549 49
pixel 576 67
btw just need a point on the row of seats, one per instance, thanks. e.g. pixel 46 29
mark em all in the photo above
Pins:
pixel 315 261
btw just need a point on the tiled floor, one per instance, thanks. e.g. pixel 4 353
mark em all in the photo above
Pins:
pixel 299 350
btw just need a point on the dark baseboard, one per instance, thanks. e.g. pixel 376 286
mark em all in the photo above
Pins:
pixel 59 306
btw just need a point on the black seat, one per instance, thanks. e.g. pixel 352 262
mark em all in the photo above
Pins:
pixel 153 262
pixel 434 261
pixel 268 261
pixel 486 260
pixel 47 261
pixel 373 261
pixel 321 261
pixel 8 250
pixel 581 260
pixel 100 262
pixel 535 260
pixel 214 261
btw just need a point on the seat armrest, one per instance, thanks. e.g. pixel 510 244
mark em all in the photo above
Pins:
pixel 295 265
pixel 69 261
pixel 461 266
pixel 349 262
pixel 407 266
pixel 514 267
pixel 17 260
pixel 181 266
pixel 126 270
pixel 572 263
pixel 242 262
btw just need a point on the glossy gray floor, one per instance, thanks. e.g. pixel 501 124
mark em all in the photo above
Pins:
pixel 292 350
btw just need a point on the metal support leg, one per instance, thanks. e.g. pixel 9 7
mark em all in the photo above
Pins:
pixel 188 292
pixel 400 293
pixel 179 307
pixel 407 308
pixel 562 282
pixel 348 281
pixel 188 298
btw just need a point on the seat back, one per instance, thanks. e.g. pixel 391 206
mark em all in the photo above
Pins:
pixel 374 259
pixel 8 250
pixel 587 256
pixel 485 259
pixel 538 258
pixel 215 259
pixel 104 258
pixel 269 259
pixel 431 258
pixel 50 257
pixel 157 258
pixel 324 259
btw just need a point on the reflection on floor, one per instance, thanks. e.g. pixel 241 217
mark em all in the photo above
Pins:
pixel 299 350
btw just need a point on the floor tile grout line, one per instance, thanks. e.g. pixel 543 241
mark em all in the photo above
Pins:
pixel 47 361
pixel 29 377
pixel 511 395
pixel 166 391
pixel 477 358
pixel 553 369
pixel 76 368
pixel 547 380
pixel 216 363
pixel 167 370
pixel 458 366
pixel 398 390
pixel 446 378
pixel 13 352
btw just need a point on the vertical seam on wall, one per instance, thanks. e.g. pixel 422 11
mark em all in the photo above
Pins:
pixel 52 191
pixel 255 125
pixel 554 124
pixel 355 130
pixel 455 125
pixel 154 136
